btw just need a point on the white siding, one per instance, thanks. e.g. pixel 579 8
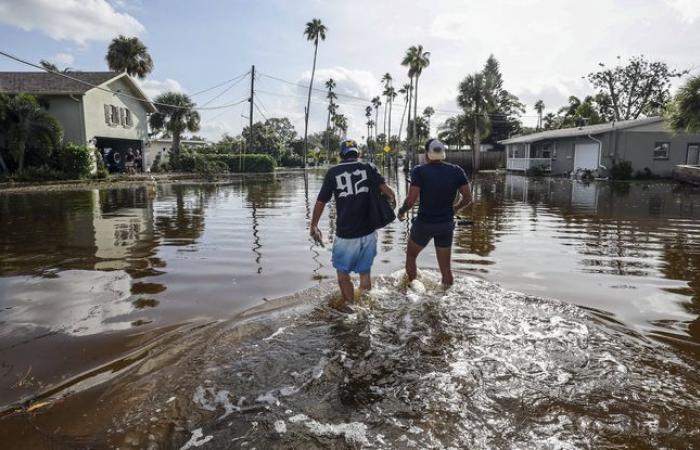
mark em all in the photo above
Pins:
pixel 95 124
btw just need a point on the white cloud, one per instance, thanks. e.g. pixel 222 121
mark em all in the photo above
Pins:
pixel 153 88
pixel 63 59
pixel 71 20
pixel 688 10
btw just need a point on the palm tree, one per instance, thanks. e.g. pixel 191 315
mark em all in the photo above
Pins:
pixel 129 55
pixel 368 115
pixel 475 98
pixel 417 60
pixel 386 79
pixel 428 113
pixel 314 31
pixel 539 107
pixel 390 94
pixel 341 122
pixel 406 91
pixel 24 123
pixel 684 111
pixel 175 115
pixel 330 85
pixel 51 67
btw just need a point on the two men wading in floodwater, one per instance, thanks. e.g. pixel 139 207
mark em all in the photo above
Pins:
pixel 352 183
pixel 437 184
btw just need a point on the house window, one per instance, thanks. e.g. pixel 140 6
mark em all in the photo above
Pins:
pixel 114 115
pixel 127 118
pixel 662 150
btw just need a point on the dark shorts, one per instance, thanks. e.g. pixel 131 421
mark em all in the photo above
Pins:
pixel 422 233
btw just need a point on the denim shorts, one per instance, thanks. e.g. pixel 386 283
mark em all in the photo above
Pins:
pixel 422 233
pixel 355 255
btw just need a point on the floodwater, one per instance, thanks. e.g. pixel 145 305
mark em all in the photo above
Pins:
pixel 146 318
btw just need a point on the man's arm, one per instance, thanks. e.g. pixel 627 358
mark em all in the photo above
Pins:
pixel 389 192
pixel 411 199
pixel 465 194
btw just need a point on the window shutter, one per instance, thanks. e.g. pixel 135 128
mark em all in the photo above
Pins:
pixel 122 117
pixel 108 118
pixel 128 117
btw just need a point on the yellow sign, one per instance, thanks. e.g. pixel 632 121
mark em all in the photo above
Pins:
pixel 387 149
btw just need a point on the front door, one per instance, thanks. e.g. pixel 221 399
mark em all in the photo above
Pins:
pixel 693 155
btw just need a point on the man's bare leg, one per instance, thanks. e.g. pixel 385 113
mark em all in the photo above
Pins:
pixel 346 288
pixel 444 257
pixel 412 252
pixel 366 281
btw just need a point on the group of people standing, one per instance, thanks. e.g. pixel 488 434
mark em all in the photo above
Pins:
pixel 442 190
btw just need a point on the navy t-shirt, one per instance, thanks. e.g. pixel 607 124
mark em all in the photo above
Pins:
pixel 349 182
pixel 439 183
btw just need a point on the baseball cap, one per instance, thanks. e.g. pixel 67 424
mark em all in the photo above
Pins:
pixel 435 150
pixel 348 146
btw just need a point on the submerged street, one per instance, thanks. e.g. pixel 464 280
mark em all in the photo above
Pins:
pixel 134 299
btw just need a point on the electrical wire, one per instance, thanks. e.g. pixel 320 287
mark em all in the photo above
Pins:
pixel 121 94
pixel 261 113
pixel 235 79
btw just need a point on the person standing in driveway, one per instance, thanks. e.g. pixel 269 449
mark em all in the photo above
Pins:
pixel 436 183
pixel 355 245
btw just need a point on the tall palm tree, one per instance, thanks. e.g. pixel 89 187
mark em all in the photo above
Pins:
pixel 476 99
pixel 684 111
pixel 376 103
pixel 428 113
pixel 390 94
pixel 417 60
pixel 406 92
pixel 331 96
pixel 386 79
pixel 368 115
pixel 129 55
pixel 175 115
pixel 24 123
pixel 341 122
pixel 539 107
pixel 314 31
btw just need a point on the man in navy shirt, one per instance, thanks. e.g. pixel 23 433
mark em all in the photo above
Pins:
pixel 355 245
pixel 437 184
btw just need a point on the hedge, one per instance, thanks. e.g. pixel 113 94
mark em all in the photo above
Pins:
pixel 248 163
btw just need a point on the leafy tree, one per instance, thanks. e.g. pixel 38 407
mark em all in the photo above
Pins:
pixel 421 127
pixel 24 125
pixel 274 137
pixel 476 99
pixel 428 113
pixel 638 88
pixel 129 55
pixel 507 108
pixel 684 111
pixel 453 131
pixel 175 115
pixel 314 31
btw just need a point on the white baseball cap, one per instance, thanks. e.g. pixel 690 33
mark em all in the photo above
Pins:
pixel 435 150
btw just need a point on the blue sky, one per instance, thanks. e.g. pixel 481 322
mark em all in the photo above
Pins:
pixel 544 46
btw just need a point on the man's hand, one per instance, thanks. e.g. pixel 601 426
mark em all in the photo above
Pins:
pixel 316 235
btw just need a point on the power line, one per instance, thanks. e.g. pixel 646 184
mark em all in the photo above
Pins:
pixel 224 91
pixel 261 113
pixel 121 94
pixel 236 79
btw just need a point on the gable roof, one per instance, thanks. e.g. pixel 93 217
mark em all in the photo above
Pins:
pixel 580 131
pixel 45 83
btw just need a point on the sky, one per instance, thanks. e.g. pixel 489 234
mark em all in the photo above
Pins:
pixel 545 47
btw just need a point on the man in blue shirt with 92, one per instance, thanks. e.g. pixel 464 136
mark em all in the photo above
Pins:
pixel 437 184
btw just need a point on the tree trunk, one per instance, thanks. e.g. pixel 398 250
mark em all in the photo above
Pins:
pixel 328 137
pixel 308 104
pixel 22 148
pixel 388 136
pixel 176 145
pixel 3 166
pixel 409 138
pixel 476 148
pixel 415 119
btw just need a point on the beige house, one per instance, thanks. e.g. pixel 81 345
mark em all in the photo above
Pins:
pixel 113 115
pixel 161 147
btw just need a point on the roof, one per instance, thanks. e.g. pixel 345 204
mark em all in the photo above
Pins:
pixel 45 83
pixel 580 131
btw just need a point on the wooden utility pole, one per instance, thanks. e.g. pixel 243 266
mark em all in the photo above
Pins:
pixel 251 133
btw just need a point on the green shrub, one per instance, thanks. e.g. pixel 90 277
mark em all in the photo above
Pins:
pixel 74 161
pixel 290 159
pixel 209 168
pixel 102 171
pixel 39 173
pixel 535 172
pixel 645 174
pixel 156 167
pixel 248 163
pixel 184 162
pixel 621 170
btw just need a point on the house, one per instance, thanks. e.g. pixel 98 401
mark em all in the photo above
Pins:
pixel 114 123
pixel 161 147
pixel 645 143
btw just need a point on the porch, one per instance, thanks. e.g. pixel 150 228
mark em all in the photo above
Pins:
pixel 524 164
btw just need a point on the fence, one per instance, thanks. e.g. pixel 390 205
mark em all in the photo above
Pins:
pixel 495 159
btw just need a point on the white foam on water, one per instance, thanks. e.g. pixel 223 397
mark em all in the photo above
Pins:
pixel 280 426
pixel 353 432
pixel 197 440
pixel 210 399
pixel 279 331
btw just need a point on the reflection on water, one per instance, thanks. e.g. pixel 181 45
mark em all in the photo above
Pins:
pixel 79 268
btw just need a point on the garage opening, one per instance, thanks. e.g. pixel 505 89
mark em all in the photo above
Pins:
pixel 586 156
pixel 115 151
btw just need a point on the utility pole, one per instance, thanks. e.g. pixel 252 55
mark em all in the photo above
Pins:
pixel 251 134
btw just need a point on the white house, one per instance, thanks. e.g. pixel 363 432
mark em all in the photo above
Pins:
pixel 113 115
